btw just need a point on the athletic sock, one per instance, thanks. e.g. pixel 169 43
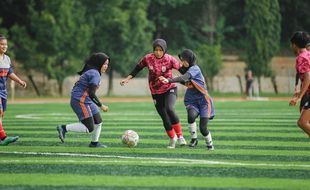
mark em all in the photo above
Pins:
pixel 193 130
pixel 96 133
pixel 77 127
pixel 2 132
pixel 171 134
pixel 209 139
pixel 178 130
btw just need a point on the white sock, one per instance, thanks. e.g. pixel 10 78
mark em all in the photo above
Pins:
pixel 193 130
pixel 96 132
pixel 209 139
pixel 77 127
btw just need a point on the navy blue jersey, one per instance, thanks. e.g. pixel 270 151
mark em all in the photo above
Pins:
pixel 197 95
pixel 5 71
pixel 81 87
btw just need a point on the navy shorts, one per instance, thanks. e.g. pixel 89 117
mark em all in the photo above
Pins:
pixel 3 104
pixel 84 110
pixel 202 107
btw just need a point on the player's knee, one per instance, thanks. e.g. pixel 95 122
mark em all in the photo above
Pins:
pixel 170 110
pixel 301 122
pixel 90 128
pixel 190 119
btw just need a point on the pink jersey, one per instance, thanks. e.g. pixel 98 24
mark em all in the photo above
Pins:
pixel 303 65
pixel 159 67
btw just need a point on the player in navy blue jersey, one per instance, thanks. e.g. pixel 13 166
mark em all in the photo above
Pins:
pixel 84 101
pixel 6 71
pixel 197 100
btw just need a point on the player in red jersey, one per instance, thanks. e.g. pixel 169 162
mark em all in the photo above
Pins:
pixel 6 71
pixel 299 41
pixel 159 63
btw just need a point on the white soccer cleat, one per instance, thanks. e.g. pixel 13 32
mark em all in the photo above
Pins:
pixel 172 143
pixel 182 141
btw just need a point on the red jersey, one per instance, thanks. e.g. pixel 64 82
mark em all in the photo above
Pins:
pixel 303 65
pixel 159 67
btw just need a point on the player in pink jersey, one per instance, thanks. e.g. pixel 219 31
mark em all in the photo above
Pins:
pixel 299 41
pixel 159 63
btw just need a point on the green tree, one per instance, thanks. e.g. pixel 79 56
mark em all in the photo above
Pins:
pixel 263 26
pixel 210 61
pixel 62 34
pixel 122 31
pixel 52 38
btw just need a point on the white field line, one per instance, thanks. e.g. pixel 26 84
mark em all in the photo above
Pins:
pixel 40 116
pixel 66 115
pixel 151 160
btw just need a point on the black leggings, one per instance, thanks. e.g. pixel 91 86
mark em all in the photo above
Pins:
pixel 165 106
pixel 203 124
pixel 91 121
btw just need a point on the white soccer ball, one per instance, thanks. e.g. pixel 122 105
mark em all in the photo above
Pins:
pixel 130 138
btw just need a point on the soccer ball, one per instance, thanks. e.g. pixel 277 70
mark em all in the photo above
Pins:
pixel 130 138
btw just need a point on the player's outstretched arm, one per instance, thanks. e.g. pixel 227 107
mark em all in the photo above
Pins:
pixel 126 80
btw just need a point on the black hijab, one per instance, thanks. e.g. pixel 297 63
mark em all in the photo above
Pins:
pixel 189 56
pixel 95 61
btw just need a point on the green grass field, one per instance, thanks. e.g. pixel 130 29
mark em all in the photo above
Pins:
pixel 257 146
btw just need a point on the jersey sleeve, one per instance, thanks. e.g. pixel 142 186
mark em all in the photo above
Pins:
pixel 193 72
pixel 175 63
pixel 303 65
pixel 11 70
pixel 142 63
pixel 94 78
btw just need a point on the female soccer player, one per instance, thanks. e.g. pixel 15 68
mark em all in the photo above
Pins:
pixel 197 99
pixel 84 101
pixel 299 41
pixel 164 95
pixel 6 71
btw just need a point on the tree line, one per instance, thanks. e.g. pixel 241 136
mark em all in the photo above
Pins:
pixel 54 37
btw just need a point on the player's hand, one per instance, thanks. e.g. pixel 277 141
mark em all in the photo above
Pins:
pixel 123 82
pixel 23 83
pixel 104 108
pixel 294 101
pixel 296 93
pixel 163 79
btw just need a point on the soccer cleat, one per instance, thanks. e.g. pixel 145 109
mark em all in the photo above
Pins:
pixel 8 140
pixel 97 145
pixel 210 147
pixel 172 143
pixel 193 143
pixel 182 141
pixel 61 133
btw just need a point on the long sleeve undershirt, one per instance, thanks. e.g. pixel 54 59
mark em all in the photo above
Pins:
pixel 181 79
pixel 92 95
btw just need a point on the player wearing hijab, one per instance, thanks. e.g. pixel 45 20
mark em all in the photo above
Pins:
pixel 197 100
pixel 164 95
pixel 84 101
pixel 299 42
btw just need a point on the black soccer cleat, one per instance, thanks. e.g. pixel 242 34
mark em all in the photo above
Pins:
pixel 193 143
pixel 210 147
pixel 61 133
